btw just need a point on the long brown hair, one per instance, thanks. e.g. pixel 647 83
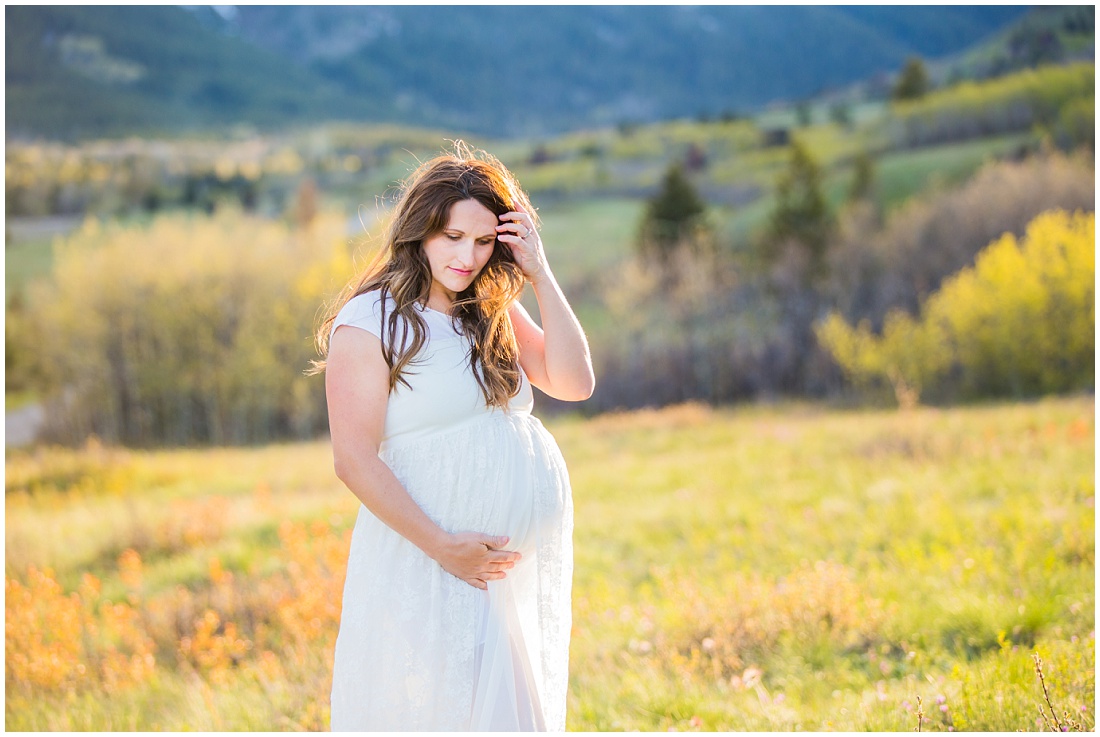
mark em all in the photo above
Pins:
pixel 403 273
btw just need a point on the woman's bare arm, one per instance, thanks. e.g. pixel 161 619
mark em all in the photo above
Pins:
pixel 357 390
pixel 555 357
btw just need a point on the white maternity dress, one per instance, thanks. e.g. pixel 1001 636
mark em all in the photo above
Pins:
pixel 419 649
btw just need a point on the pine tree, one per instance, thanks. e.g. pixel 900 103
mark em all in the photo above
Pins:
pixel 801 213
pixel 913 82
pixel 863 177
pixel 672 216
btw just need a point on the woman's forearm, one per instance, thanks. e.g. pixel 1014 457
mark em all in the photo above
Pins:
pixel 473 557
pixel 568 362
pixel 373 483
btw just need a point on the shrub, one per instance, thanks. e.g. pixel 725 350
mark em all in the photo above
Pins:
pixel 909 354
pixel 188 330
pixel 873 269
pixel 1022 321
pixel 1019 322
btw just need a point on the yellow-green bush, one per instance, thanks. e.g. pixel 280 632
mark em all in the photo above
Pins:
pixel 910 354
pixel 1019 322
pixel 191 329
pixel 874 267
pixel 1010 103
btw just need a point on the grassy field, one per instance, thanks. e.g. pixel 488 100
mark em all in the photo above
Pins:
pixel 761 568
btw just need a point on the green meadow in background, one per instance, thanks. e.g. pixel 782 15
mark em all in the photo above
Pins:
pixel 782 567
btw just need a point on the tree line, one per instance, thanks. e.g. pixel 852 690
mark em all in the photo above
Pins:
pixel 707 321
pixel 191 329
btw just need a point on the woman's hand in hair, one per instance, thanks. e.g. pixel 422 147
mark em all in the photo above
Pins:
pixel 518 232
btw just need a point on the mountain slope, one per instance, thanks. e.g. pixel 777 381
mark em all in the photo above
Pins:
pixel 450 65
pixel 76 71
pixel 500 70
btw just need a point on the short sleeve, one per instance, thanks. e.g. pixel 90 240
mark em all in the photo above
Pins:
pixel 361 311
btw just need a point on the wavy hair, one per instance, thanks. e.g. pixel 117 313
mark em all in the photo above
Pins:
pixel 403 274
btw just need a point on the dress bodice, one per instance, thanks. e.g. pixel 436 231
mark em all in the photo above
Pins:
pixel 442 394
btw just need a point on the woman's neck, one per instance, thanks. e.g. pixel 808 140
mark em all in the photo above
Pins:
pixel 440 299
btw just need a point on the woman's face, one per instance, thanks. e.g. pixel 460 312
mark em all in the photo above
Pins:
pixel 459 253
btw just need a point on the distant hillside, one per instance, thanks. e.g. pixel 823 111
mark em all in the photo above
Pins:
pixel 1046 35
pixel 501 70
pixel 80 71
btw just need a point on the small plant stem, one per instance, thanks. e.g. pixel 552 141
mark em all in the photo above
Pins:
pixel 1043 717
pixel 1046 695
pixel 920 714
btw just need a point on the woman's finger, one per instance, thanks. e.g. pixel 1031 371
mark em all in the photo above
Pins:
pixel 519 217
pixel 520 229
pixel 495 542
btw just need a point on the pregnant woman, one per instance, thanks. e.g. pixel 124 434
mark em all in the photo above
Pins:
pixel 456 607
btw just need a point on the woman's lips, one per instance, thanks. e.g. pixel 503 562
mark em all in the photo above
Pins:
pixel 460 272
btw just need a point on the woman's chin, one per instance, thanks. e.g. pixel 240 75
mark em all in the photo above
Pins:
pixel 457 284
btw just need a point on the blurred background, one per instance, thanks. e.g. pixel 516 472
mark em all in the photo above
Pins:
pixel 780 223
pixel 714 183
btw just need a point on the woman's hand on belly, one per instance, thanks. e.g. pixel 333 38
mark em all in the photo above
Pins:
pixel 475 558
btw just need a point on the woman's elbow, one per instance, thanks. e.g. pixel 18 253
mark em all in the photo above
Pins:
pixel 346 468
pixel 340 467
pixel 588 387
pixel 582 389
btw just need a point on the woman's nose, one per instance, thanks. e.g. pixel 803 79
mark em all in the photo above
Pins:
pixel 465 252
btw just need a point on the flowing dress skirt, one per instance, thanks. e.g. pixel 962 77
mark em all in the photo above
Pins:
pixel 419 649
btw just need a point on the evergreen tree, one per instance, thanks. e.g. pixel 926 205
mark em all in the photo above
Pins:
pixel 801 213
pixel 803 114
pixel 913 82
pixel 841 114
pixel 672 216
pixel 863 177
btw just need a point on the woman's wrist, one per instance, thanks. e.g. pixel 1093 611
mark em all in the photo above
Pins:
pixel 439 544
pixel 541 276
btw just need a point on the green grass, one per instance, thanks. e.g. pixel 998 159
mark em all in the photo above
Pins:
pixel 787 567
pixel 25 261
pixel 584 238
pixel 901 175
pixel 962 524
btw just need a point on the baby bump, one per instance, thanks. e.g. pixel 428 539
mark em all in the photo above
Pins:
pixel 519 496
pixel 502 475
